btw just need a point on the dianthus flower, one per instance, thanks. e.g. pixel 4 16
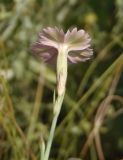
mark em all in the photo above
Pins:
pixel 55 45
pixel 76 43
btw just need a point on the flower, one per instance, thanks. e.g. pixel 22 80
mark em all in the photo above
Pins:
pixel 76 43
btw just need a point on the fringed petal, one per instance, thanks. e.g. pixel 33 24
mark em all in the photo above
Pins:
pixel 76 42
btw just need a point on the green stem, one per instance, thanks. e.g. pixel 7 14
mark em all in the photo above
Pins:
pixel 51 137
pixel 58 105
pixel 61 83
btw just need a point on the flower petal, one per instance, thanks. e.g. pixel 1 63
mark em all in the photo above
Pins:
pixel 46 53
pixel 77 40
pixel 51 36
pixel 80 56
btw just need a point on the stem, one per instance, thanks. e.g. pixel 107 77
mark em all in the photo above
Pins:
pixel 61 83
pixel 51 137
pixel 58 105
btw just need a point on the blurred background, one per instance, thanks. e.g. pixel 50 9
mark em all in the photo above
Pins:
pixel 90 125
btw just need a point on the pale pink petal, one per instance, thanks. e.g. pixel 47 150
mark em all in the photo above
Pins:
pixel 51 36
pixel 76 42
pixel 80 56
pixel 46 53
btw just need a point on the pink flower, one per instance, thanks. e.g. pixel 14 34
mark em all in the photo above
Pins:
pixel 77 44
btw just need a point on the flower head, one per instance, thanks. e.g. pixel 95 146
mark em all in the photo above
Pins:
pixel 77 44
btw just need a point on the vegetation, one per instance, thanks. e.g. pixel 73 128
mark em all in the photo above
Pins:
pixel 90 122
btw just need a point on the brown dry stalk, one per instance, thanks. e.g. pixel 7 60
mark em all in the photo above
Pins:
pixel 99 118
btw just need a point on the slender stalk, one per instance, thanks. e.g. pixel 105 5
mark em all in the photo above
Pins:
pixel 58 105
pixel 36 108
pixel 61 83
pixel 51 137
